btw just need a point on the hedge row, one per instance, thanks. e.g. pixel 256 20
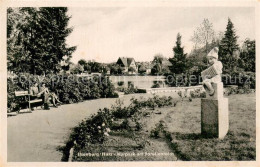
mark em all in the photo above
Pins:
pixel 69 88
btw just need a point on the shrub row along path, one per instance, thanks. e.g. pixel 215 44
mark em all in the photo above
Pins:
pixel 35 137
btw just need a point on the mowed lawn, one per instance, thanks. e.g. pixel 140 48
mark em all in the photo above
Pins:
pixel 239 144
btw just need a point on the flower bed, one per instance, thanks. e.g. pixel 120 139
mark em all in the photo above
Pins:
pixel 119 118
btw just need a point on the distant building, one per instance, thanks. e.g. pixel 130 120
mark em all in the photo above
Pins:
pixel 166 63
pixel 128 64
pixel 148 71
pixel 145 67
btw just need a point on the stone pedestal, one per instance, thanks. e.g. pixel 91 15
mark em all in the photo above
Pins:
pixel 214 114
pixel 219 91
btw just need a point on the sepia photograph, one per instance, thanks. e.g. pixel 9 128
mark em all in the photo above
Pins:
pixel 130 83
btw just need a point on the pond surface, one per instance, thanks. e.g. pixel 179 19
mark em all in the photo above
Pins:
pixel 138 81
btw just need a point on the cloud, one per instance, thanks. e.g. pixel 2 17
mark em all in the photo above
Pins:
pixel 104 34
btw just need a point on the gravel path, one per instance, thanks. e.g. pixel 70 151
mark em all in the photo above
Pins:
pixel 35 137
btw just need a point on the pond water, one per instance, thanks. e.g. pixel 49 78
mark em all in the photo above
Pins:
pixel 138 81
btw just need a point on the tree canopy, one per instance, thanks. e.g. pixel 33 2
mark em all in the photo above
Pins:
pixel 228 47
pixel 179 59
pixel 36 39
pixel 247 56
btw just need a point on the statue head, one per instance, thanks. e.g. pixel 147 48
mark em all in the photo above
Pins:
pixel 213 55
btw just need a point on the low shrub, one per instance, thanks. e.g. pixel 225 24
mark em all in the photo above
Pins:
pixel 179 93
pixel 233 89
pixel 93 130
pixel 198 93
pixel 131 88
pixel 120 83
pixel 153 102
pixel 203 94
pixel 156 85
pixel 158 131
pixel 240 79
pixel 141 90
pixel 12 101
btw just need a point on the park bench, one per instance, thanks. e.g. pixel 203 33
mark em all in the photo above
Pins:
pixel 26 101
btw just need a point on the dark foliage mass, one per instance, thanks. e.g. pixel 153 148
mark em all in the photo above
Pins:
pixel 36 39
pixel 238 63
pixel 69 88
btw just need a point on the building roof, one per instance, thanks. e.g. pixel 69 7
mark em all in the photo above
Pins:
pixel 166 63
pixel 125 61
pixel 146 65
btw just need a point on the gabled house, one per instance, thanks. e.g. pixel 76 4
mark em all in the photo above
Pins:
pixel 144 67
pixel 166 63
pixel 128 64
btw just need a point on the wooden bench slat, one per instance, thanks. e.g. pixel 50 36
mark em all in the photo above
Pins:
pixel 21 93
pixel 26 93
pixel 35 101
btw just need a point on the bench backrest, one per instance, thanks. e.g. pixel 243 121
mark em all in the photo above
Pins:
pixel 21 93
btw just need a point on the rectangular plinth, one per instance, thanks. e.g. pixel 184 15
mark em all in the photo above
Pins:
pixel 209 117
pixel 223 114
pixel 214 117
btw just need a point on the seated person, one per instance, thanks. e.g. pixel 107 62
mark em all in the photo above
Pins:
pixel 34 92
pixel 46 94
pixel 55 99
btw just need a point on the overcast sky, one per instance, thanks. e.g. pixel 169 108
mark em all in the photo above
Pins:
pixel 104 34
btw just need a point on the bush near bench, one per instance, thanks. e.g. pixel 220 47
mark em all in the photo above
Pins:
pixel 69 88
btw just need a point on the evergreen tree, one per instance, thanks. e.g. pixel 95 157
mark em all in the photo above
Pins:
pixel 82 62
pixel 228 46
pixel 20 34
pixel 157 69
pixel 37 39
pixel 179 59
pixel 247 56
pixel 157 64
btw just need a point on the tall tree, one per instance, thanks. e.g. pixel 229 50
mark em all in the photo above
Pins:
pixel 247 55
pixel 158 58
pixel 37 39
pixel 141 69
pixel 82 62
pixel 179 59
pixel 203 35
pixel 195 39
pixel 20 33
pixel 228 47
pixel 160 64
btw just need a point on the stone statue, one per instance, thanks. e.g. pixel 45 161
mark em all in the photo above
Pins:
pixel 214 108
pixel 213 73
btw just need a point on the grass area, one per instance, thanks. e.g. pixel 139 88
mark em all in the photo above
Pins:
pixel 239 144
pixel 175 131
